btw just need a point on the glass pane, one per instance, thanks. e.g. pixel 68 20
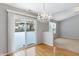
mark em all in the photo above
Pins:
pixel 19 27
pixel 52 27
pixel 19 32
pixel 30 26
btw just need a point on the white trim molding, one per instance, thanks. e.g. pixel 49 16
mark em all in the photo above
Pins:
pixel 16 12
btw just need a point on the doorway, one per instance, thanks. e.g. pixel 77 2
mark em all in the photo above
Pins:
pixel 25 32
pixel 21 32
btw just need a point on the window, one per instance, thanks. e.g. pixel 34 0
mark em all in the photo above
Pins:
pixel 52 27
pixel 21 26
pixel 30 26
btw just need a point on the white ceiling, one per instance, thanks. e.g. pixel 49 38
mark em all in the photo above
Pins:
pixel 59 11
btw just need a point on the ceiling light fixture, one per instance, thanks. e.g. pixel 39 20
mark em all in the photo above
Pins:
pixel 44 16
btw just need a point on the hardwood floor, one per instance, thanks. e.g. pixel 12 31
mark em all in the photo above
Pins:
pixel 44 50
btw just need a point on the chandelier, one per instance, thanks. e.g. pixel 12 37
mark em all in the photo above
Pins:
pixel 44 16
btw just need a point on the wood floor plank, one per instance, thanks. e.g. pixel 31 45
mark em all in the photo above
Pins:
pixel 44 50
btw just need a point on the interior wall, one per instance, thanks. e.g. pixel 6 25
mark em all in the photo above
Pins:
pixel 48 38
pixel 41 28
pixel 44 36
pixel 69 28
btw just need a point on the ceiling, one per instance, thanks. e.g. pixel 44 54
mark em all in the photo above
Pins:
pixel 59 11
